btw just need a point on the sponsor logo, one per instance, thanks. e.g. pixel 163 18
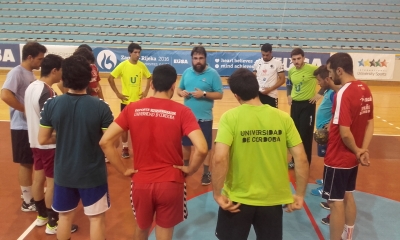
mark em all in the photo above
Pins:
pixel 180 61
pixel 373 63
pixel 6 55
pixel 106 59
pixel 148 58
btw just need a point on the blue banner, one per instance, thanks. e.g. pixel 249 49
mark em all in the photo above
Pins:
pixel 9 55
pixel 224 62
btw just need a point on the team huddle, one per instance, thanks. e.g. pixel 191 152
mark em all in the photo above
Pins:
pixel 66 141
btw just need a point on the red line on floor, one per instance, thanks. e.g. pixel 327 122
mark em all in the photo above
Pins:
pixel 309 214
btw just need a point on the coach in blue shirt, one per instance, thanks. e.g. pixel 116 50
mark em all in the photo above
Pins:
pixel 200 85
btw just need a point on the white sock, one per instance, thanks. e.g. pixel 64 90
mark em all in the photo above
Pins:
pixel 124 144
pixel 347 232
pixel 27 193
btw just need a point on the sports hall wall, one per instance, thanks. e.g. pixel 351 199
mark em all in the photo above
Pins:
pixel 368 66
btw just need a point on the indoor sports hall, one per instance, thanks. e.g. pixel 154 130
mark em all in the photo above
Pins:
pixel 167 30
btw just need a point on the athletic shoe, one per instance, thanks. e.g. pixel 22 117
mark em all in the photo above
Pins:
pixel 324 205
pixel 28 207
pixel 53 230
pixel 291 165
pixel 326 220
pixel 319 181
pixel 206 179
pixel 41 221
pixel 317 191
pixel 125 152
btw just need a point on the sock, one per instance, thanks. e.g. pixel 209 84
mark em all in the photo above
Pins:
pixel 41 208
pixel 206 169
pixel 186 162
pixel 347 232
pixel 27 193
pixel 53 217
pixel 124 144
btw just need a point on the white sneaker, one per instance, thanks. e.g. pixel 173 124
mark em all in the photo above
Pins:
pixel 51 230
pixel 41 221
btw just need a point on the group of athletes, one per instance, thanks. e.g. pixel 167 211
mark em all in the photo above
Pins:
pixel 65 141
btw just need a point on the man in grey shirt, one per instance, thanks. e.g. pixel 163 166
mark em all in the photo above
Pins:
pixel 13 93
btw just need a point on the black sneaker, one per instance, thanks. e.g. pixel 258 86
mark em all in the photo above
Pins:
pixel 324 205
pixel 28 207
pixel 326 220
pixel 206 179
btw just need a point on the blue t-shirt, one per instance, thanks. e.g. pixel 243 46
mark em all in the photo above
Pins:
pixel 324 112
pixel 17 81
pixel 208 81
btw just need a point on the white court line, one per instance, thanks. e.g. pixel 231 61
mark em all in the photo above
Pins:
pixel 384 120
pixel 27 231
pixel 391 124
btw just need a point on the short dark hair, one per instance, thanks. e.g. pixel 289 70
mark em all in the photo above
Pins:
pixel 244 84
pixel 32 49
pixel 322 71
pixel 199 50
pixel 50 62
pixel 266 47
pixel 134 46
pixel 164 76
pixel 84 52
pixel 77 72
pixel 86 46
pixel 297 51
pixel 341 60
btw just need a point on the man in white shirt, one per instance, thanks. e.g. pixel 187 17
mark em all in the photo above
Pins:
pixel 270 76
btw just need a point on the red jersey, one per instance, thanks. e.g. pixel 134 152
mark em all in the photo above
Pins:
pixel 156 127
pixel 94 81
pixel 352 107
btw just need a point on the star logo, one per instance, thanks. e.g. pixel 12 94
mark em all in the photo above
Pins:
pixel 372 63
pixel 367 63
pixel 378 63
pixel 361 63
pixel 384 63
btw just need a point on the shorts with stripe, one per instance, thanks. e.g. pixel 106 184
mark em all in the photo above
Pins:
pixel 44 160
pixel 95 200
pixel 21 148
pixel 338 181
pixel 165 200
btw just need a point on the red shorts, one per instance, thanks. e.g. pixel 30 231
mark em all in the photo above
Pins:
pixel 166 200
pixel 43 159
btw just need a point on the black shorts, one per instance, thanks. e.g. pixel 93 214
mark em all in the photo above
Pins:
pixel 267 223
pixel 265 99
pixel 338 181
pixel 206 128
pixel 21 149
pixel 123 106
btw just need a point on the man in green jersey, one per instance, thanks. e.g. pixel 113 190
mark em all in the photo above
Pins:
pixel 250 179
pixel 302 98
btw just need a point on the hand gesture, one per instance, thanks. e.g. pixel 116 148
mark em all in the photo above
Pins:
pixel 129 172
pixel 315 99
pixel 296 205
pixel 198 93
pixel 289 100
pixel 143 95
pixel 364 159
pixel 184 94
pixel 226 204
pixel 122 97
pixel 185 169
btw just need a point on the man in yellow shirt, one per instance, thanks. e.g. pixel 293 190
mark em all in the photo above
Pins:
pixel 131 72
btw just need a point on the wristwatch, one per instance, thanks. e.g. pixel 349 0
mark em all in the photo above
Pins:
pixel 204 94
